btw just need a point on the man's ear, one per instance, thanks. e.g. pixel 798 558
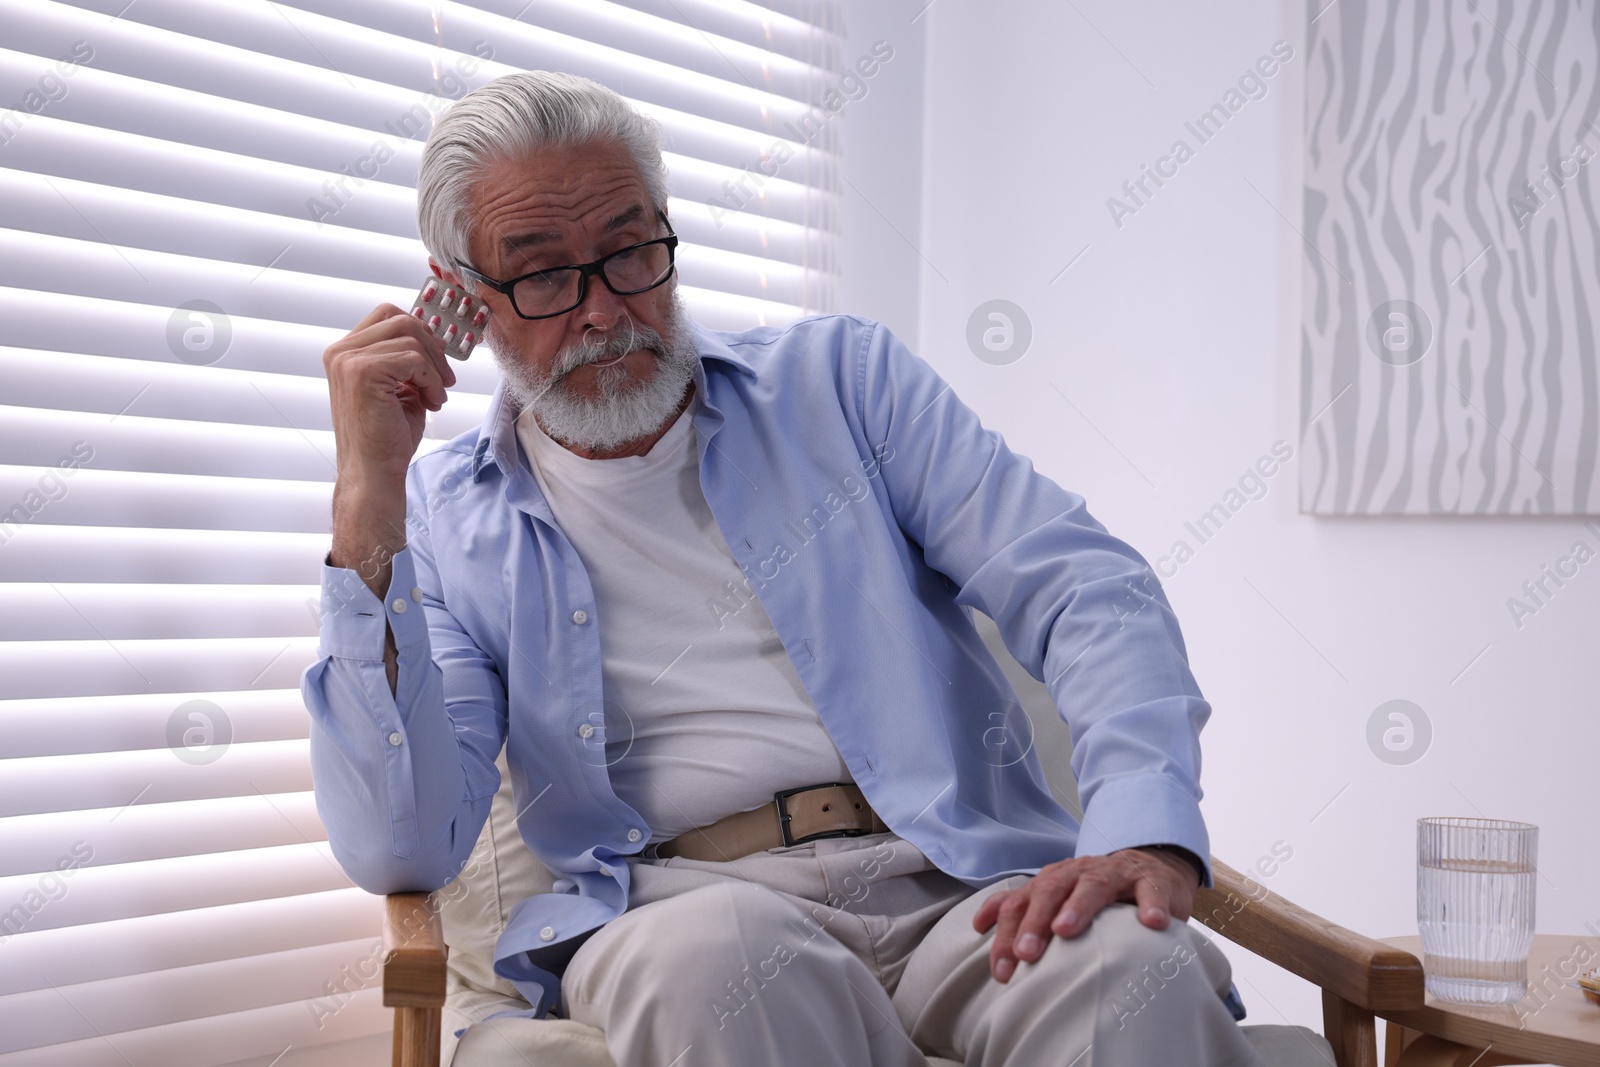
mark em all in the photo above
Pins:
pixel 449 276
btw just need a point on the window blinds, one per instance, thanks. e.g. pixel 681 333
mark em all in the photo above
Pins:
pixel 196 198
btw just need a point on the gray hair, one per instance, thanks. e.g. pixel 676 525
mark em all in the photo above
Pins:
pixel 513 116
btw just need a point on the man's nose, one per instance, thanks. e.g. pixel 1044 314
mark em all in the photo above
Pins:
pixel 605 320
pixel 601 308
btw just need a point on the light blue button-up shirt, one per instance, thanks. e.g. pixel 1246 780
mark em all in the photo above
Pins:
pixel 870 510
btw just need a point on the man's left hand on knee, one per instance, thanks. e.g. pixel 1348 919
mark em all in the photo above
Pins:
pixel 1063 899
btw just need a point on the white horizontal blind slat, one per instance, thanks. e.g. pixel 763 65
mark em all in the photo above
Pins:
pixel 262 1034
pixel 65 726
pixel 168 446
pixel 92 952
pixel 159 997
pixel 42 551
pixel 82 611
pixel 137 498
pixel 49 321
pixel 84 384
pixel 100 668
pixel 114 780
pixel 794 30
pixel 166 890
pixel 139 276
pixel 146 831
pixel 148 887
pixel 58 147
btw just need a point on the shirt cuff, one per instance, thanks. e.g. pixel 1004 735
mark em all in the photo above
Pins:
pixel 1179 850
pixel 1134 810
pixel 352 621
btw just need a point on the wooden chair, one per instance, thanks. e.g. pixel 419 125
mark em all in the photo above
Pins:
pixel 1358 975
pixel 414 957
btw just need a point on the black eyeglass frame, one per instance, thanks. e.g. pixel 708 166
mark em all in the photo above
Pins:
pixel 585 271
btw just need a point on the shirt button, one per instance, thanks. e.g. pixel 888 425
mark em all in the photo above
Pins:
pixel 585 731
pixel 634 836
pixel 416 590
pixel 580 616
pixel 399 605
pixel 395 738
pixel 547 934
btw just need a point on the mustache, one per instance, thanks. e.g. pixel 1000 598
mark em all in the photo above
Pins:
pixel 598 346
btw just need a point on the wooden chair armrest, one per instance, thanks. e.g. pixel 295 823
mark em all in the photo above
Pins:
pixel 1359 970
pixel 414 952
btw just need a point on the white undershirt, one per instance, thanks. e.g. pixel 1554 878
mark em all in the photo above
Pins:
pixel 705 715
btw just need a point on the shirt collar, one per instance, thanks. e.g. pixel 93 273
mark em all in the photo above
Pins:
pixel 497 437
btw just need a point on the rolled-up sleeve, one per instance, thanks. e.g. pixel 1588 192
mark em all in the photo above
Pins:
pixel 403 780
pixel 1078 608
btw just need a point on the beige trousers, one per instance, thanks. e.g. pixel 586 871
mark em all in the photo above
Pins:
pixel 860 951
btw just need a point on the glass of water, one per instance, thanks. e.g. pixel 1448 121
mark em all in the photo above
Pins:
pixel 1475 903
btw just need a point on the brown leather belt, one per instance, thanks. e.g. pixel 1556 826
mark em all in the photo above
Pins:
pixel 834 809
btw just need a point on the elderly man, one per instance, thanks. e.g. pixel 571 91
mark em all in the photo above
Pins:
pixel 711 591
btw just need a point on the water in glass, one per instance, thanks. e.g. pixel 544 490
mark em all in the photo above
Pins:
pixel 1475 907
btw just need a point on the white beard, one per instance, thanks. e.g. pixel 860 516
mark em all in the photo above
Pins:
pixel 621 412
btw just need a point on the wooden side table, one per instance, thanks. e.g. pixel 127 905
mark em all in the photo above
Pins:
pixel 1554 1023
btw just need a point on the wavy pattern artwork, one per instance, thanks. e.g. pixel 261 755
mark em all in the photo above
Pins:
pixel 1452 279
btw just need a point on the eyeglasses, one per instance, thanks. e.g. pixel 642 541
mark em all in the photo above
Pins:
pixel 554 291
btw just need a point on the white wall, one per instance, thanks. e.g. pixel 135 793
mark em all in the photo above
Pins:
pixel 880 211
pixel 1175 341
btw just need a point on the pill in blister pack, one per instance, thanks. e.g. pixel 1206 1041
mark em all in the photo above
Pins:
pixel 457 320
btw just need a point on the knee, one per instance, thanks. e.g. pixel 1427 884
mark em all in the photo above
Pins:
pixel 1146 971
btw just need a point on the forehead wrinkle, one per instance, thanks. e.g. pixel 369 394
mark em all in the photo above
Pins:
pixel 514 243
pixel 503 204
pixel 583 177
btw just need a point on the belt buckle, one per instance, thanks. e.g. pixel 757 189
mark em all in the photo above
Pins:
pixel 781 798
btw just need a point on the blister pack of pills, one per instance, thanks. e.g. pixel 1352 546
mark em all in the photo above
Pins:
pixel 451 315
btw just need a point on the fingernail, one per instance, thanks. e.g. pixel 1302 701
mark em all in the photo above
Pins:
pixel 1069 919
pixel 1028 945
pixel 1002 970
